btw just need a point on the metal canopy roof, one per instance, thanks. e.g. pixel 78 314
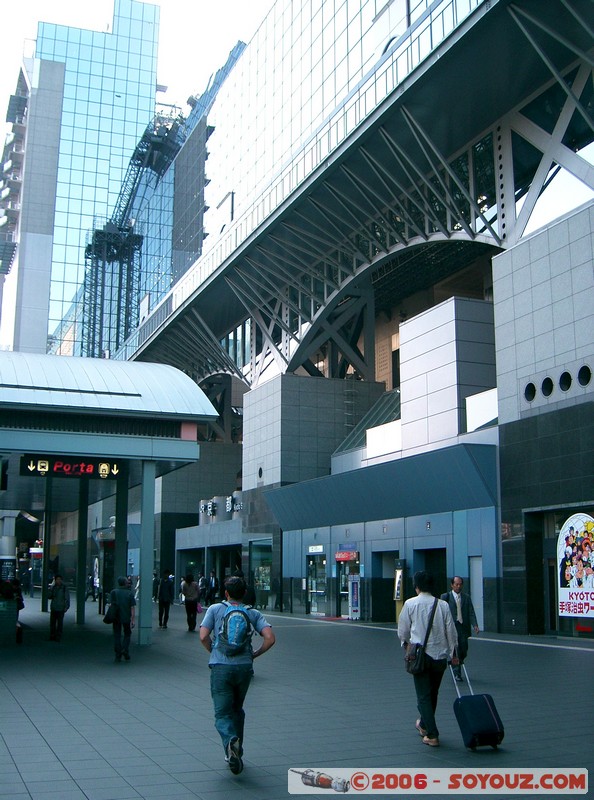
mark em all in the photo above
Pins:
pixel 93 408
pixel 47 382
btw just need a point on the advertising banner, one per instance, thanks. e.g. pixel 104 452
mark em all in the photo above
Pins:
pixel 576 567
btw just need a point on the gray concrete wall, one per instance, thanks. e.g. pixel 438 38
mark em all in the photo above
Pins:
pixel 544 316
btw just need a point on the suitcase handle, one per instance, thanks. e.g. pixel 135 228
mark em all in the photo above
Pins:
pixel 456 683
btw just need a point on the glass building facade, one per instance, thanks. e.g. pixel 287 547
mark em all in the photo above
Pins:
pixel 312 73
pixel 103 85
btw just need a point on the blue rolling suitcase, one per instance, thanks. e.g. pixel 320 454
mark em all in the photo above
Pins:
pixel 477 717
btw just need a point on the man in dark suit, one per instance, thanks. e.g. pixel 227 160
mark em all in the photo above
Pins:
pixel 464 617
pixel 212 589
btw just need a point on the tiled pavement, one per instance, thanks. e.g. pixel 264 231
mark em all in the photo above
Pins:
pixel 74 725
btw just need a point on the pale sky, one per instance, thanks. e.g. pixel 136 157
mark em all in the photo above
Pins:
pixel 195 38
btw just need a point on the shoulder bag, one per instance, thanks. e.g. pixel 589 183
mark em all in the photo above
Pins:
pixel 112 612
pixel 414 653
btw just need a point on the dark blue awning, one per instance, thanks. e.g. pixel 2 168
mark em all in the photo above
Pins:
pixel 451 479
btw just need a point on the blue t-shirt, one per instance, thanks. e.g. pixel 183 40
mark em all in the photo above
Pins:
pixel 213 620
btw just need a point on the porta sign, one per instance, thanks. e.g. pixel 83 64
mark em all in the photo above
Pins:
pixel 69 467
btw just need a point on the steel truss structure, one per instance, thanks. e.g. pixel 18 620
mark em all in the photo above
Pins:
pixel 432 183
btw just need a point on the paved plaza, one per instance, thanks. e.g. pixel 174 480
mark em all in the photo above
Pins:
pixel 330 695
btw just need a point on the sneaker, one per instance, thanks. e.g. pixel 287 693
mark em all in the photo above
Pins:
pixel 459 678
pixel 233 756
pixel 126 657
pixel 431 742
pixel 422 731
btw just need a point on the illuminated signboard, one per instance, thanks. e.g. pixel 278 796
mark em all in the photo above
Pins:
pixel 70 467
pixel 346 555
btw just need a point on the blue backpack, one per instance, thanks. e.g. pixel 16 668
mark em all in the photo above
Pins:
pixel 235 635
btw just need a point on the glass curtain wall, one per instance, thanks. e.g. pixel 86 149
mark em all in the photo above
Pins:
pixel 109 99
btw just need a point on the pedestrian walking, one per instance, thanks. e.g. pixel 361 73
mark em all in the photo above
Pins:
pixel 90 592
pixel 166 597
pixel 212 589
pixel 202 588
pixel 231 663
pixel 413 623
pixel 249 598
pixel 190 592
pixel 123 600
pixel 465 620
pixel 59 597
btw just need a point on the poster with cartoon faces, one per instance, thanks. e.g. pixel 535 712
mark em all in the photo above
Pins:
pixel 576 567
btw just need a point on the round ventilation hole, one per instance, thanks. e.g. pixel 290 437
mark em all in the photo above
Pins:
pixel 530 392
pixel 565 381
pixel 547 387
pixel 584 375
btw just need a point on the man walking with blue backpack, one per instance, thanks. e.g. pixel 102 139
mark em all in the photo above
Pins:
pixel 230 663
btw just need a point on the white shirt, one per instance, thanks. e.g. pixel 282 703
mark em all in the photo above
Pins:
pixel 414 619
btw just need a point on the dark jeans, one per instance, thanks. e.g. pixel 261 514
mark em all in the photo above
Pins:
pixel 191 611
pixel 462 649
pixel 56 624
pixel 163 612
pixel 228 688
pixel 427 688
pixel 121 646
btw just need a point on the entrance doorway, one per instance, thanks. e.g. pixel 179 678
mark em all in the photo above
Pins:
pixel 434 562
pixel 343 570
pixel 317 600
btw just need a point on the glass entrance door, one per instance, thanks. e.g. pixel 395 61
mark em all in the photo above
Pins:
pixel 343 570
pixel 316 584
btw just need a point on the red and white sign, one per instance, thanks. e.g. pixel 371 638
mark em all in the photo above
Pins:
pixel 346 555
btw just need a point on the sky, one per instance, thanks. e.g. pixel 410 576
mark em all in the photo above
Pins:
pixel 195 38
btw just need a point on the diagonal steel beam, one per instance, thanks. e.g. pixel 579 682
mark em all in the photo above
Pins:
pixel 386 202
pixel 414 126
pixel 287 278
pixel 553 69
pixel 552 148
pixel 211 341
pixel 320 236
pixel 325 214
pixel 368 218
pixel 401 210
pixel 355 220
pixel 577 16
pixel 302 264
pixel 418 199
pixel 581 54
pixel 295 285
pixel 255 309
